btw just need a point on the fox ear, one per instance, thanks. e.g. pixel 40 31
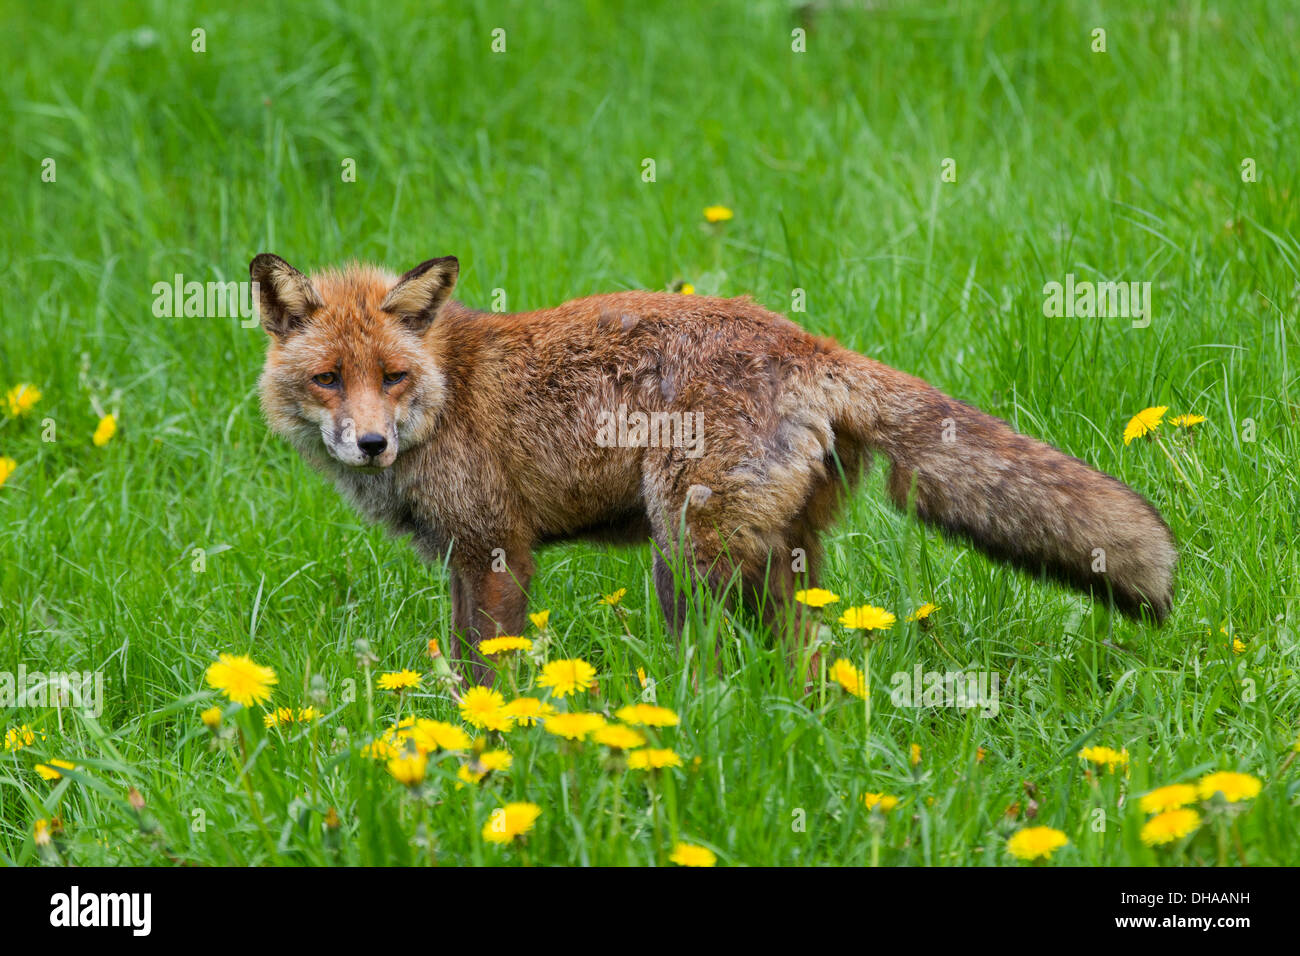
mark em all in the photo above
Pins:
pixel 285 297
pixel 421 293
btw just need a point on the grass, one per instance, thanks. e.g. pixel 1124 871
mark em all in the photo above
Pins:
pixel 527 165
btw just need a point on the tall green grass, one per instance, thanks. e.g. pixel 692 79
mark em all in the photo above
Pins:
pixel 527 165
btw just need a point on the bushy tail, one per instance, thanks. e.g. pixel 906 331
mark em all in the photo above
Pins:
pixel 1017 499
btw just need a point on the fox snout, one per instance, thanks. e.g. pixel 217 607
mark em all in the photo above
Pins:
pixel 360 446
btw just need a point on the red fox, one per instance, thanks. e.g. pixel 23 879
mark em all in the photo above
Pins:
pixel 486 435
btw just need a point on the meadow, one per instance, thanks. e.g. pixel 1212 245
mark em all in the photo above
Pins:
pixel 905 177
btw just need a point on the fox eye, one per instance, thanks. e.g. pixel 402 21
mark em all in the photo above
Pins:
pixel 392 378
pixel 326 379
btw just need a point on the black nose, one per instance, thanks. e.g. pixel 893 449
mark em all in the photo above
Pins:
pixel 372 444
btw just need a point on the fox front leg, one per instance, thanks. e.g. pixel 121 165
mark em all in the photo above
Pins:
pixel 487 601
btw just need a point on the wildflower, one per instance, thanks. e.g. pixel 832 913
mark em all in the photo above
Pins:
pixel 1238 646
pixel 430 735
pixel 510 821
pixel 867 618
pixel 882 800
pixel 653 759
pixel 1033 843
pixel 567 677
pixel 484 707
pixel 687 854
pixel 41 833
pixel 435 650
pixel 687 289
pixel 1235 787
pixel 50 771
pixel 916 754
pixel 496 761
pixel 1105 757
pixel 640 676
pixel 21 398
pixel 613 599
pixel 399 681
pixel 526 711
pixel 1144 422
pixel 1168 798
pixel 274 718
pixel 647 715
pixel 211 718
pixel 16 738
pixel 408 769
pixel 848 677
pixel 1186 421
pixel 575 726
pixel 504 645
pixel 816 597
pixel 922 612
pixel 718 213
pixel 467 774
pixel 7 468
pixel 1170 826
pixel 540 619
pixel 618 737
pixel 241 680
pixel 105 430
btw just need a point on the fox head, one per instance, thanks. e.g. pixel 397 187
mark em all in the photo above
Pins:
pixel 347 369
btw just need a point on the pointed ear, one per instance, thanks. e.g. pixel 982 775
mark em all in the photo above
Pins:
pixel 421 293
pixel 285 297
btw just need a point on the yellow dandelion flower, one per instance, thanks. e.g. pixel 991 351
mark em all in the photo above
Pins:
pixel 640 676
pixel 1235 787
pixel 687 289
pixel 540 619
pixel 816 597
pixel 496 761
pixel 922 612
pixel 882 800
pixel 467 774
pixel 567 677
pixel 618 737
pixel 718 214
pixel 51 770
pixel 653 759
pixel 504 645
pixel 575 726
pixel 916 754
pixel 274 718
pixel 307 714
pixel 1238 646
pixel 849 677
pixel 615 598
pixel 435 649
pixel 408 769
pixel 647 715
pixel 1170 826
pixel 21 399
pixel 1106 757
pixel 526 711
pixel 16 738
pixel 241 680
pixel 512 820
pixel 687 854
pixel 1034 843
pixel 105 431
pixel 1187 421
pixel 7 468
pixel 484 707
pixel 211 718
pixel 867 618
pixel 430 735
pixel 1168 798
pixel 41 833
pixel 1144 422
pixel 399 680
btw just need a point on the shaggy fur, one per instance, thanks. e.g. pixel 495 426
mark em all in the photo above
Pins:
pixel 489 428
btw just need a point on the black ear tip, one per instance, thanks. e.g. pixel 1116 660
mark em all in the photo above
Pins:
pixel 262 262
